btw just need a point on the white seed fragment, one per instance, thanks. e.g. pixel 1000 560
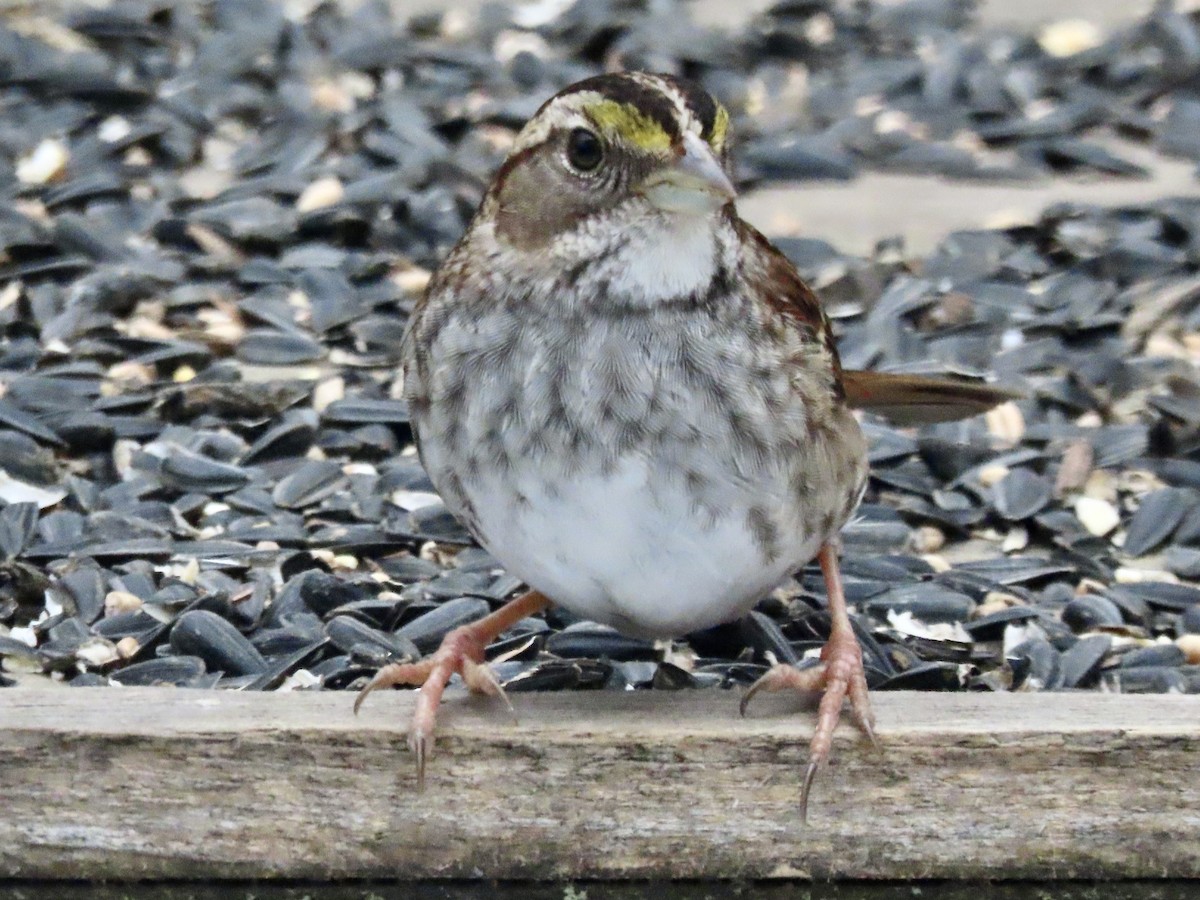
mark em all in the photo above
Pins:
pixel 1006 422
pixel 137 156
pixel 1165 345
pixel 510 42
pixel 120 602
pixel 189 571
pixel 47 162
pixel 411 500
pixel 97 651
pixel 1101 485
pixel 893 120
pixel 992 474
pixel 906 623
pixel 539 12
pixel 10 294
pixel 1131 575
pixel 1098 516
pixel 222 323
pixel 130 374
pixel 1016 539
pixel 14 491
pixel 320 193
pixel 301 680
pixel 820 29
pixel 327 392
pixel 113 129
pixel 213 244
pixel 413 280
pixel 1190 645
pixel 1069 37
pixel 994 602
pixel 26 635
pixel 937 562
pixel 204 183
pixel 331 97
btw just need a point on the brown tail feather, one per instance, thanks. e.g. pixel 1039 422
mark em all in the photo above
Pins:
pixel 920 399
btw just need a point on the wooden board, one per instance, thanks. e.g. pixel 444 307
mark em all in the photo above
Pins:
pixel 159 783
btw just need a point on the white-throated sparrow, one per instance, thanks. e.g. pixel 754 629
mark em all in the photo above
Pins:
pixel 631 398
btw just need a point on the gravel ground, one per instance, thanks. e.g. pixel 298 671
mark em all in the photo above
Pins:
pixel 216 217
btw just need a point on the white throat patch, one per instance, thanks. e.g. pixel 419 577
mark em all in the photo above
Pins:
pixel 667 257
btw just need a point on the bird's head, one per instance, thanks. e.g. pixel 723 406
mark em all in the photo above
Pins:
pixel 622 147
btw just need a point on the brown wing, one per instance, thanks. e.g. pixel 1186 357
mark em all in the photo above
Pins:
pixel 775 278
pixel 902 399
pixel 920 399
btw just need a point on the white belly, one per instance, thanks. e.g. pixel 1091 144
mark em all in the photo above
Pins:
pixel 654 470
pixel 643 559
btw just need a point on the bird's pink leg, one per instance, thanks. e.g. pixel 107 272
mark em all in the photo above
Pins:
pixel 840 675
pixel 461 651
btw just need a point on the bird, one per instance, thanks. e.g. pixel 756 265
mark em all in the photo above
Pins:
pixel 633 401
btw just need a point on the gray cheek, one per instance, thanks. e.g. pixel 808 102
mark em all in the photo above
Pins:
pixel 539 200
pixel 536 204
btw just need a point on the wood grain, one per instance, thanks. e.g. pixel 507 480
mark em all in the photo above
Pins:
pixel 159 783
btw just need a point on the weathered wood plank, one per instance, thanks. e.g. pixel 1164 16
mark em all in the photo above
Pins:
pixel 157 783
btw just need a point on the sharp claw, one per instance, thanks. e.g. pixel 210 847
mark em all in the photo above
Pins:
pixel 868 728
pixel 420 743
pixel 362 695
pixel 461 650
pixel 480 677
pixel 860 708
pixel 860 718
pixel 503 695
pixel 876 746
pixel 748 696
pixel 385 677
pixel 809 775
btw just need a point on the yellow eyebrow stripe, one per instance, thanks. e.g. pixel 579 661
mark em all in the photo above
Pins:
pixel 720 128
pixel 627 122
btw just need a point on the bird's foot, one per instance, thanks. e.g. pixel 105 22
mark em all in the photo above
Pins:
pixel 839 675
pixel 461 651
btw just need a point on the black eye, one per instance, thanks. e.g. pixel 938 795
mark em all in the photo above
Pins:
pixel 584 150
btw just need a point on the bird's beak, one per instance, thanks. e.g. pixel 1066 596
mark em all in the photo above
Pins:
pixel 694 182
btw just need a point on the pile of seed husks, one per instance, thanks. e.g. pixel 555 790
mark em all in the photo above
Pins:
pixel 216 217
